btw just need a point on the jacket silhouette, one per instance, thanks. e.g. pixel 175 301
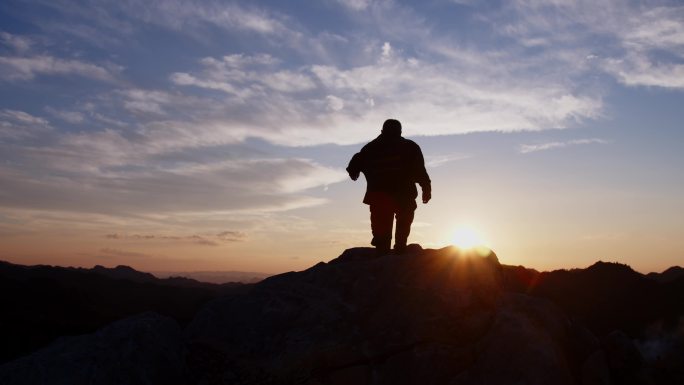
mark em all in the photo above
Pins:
pixel 392 166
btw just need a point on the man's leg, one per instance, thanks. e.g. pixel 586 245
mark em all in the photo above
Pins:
pixel 382 216
pixel 404 221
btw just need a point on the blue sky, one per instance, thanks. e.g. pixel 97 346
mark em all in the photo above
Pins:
pixel 215 134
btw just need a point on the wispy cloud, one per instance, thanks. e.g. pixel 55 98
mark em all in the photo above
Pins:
pixel 357 5
pixel 200 239
pixel 528 148
pixel 341 105
pixel 637 70
pixel 640 44
pixel 73 117
pixel 105 172
pixel 440 160
pixel 109 252
pixel 16 124
pixel 18 43
pixel 114 23
pixel 235 74
pixel 183 14
pixel 27 68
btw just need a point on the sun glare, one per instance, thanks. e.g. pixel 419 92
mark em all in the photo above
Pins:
pixel 467 238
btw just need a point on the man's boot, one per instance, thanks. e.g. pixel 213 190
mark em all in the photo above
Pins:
pixel 382 245
pixel 399 248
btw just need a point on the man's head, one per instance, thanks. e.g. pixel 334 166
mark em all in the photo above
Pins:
pixel 391 127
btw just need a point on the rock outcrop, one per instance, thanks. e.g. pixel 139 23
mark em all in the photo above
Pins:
pixel 426 317
pixel 146 350
pixel 39 304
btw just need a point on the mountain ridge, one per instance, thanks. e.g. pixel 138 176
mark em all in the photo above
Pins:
pixel 41 303
pixel 429 316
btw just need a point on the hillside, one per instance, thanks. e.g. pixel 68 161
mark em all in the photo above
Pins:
pixel 428 317
pixel 41 303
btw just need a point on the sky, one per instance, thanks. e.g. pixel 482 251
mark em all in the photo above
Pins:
pixel 213 135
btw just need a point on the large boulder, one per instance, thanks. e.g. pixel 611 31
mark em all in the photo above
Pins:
pixel 426 317
pixel 146 349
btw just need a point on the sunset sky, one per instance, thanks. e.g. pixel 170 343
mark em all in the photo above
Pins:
pixel 210 135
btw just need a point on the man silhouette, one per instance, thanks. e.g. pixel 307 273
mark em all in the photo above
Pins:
pixel 392 166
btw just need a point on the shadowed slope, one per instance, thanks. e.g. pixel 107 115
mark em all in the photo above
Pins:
pixel 607 296
pixel 429 317
pixel 41 303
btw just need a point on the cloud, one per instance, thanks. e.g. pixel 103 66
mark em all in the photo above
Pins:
pixel 183 14
pixel 334 103
pixel 640 44
pixel 206 240
pixel 440 160
pixel 356 5
pixel 231 236
pixel 528 148
pixel 22 117
pixel 73 117
pixel 146 101
pixel 180 147
pixel 109 252
pixel 342 105
pixel 658 27
pixel 185 79
pixel 639 71
pixel 647 34
pixel 386 50
pixel 27 68
pixel 191 17
pixel 232 74
pixel 440 89
pixel 18 43
pixel 105 172
pixel 16 124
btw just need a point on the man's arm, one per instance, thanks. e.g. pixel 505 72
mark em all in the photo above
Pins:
pixel 422 177
pixel 355 166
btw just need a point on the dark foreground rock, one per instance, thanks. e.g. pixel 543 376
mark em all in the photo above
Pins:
pixel 427 317
pixel 145 349
pixel 39 304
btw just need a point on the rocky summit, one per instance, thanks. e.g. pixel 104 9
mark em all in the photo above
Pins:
pixel 425 317
pixel 445 316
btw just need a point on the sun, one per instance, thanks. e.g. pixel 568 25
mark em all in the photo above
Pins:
pixel 467 238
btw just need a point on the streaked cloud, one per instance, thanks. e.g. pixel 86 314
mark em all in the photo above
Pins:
pixel 441 160
pixel 16 124
pixel 341 105
pixel 200 239
pixel 73 117
pixel 528 148
pixel 357 5
pixel 18 43
pixel 192 14
pixel 110 252
pixel 27 68
pixel 637 70
pixel 111 187
pixel 640 44
pixel 230 75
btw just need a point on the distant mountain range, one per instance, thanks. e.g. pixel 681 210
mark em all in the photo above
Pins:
pixel 672 274
pixel 426 317
pixel 216 276
pixel 608 296
pixel 40 303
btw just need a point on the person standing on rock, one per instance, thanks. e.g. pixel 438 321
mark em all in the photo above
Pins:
pixel 392 166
